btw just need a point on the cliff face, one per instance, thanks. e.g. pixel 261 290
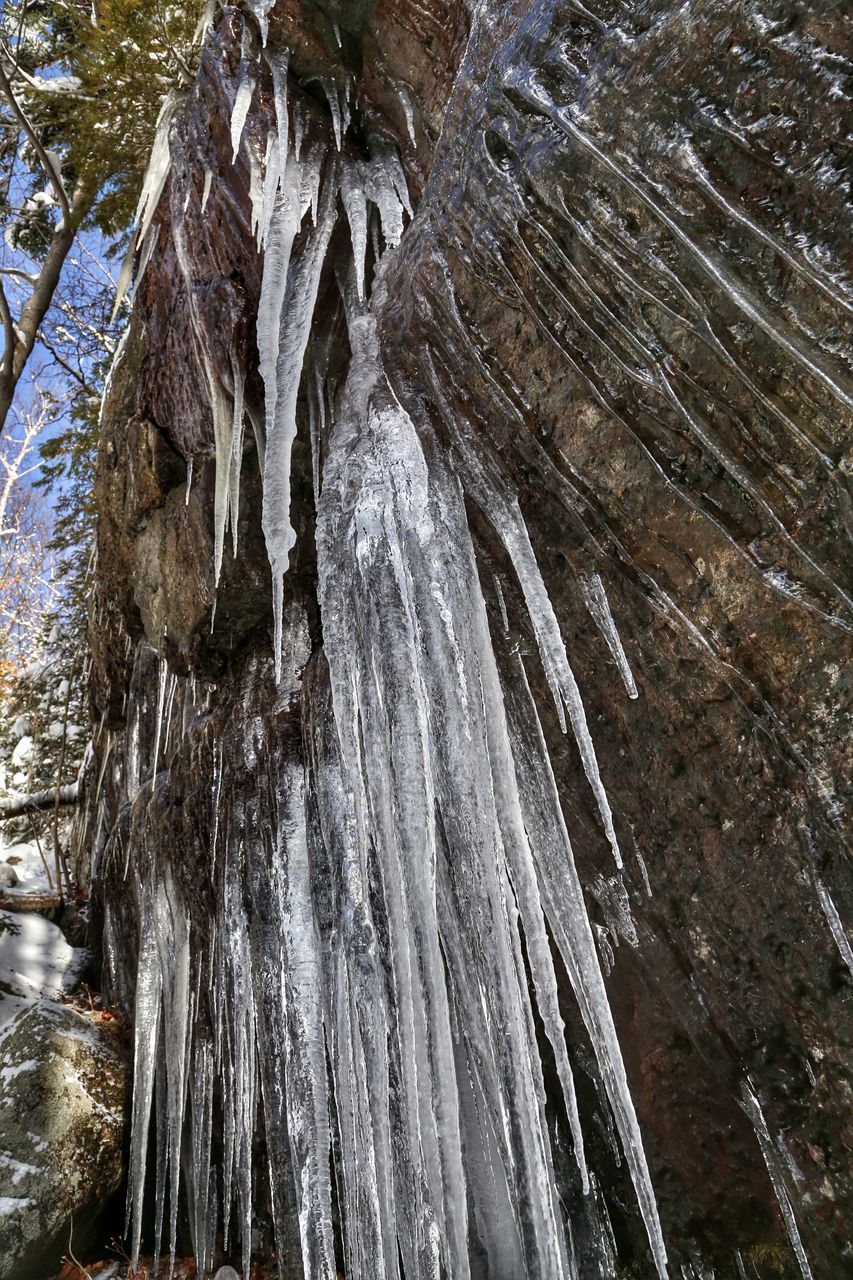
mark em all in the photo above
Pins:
pixel 620 309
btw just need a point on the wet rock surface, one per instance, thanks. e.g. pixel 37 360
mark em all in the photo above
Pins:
pixel 624 295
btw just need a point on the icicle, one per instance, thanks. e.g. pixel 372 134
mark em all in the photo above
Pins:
pixel 205 20
pixel 834 921
pixel 298 129
pixel 278 64
pixel 238 384
pixel 409 535
pixel 504 513
pixel 224 483
pixel 331 91
pixel 261 9
pixel 567 918
pixel 152 188
pixel 190 462
pixel 290 323
pixel 146 1024
pixel 158 167
pixel 242 102
pixel 406 103
pixel 355 203
pixel 273 178
pixel 381 182
pixel 161 702
pixel 147 248
pixel 307 1101
pixel 752 1107
pixel 256 195
pixel 259 432
pixel 501 604
pixel 205 195
pixel 346 111
pixel 595 598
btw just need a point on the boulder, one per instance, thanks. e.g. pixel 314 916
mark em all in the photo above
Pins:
pixel 61 1125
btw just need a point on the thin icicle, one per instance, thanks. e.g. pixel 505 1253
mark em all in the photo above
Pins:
pixel 158 166
pixel 752 1107
pixel 278 64
pixel 331 91
pixel 298 129
pixel 406 103
pixel 240 110
pixel 834 921
pixel 569 923
pixel 504 513
pixel 238 385
pixel 292 325
pixel 595 599
pixel 256 194
pixel 205 195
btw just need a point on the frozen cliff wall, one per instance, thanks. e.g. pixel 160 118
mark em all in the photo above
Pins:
pixel 565 469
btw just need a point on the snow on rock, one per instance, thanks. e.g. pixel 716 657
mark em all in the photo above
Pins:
pixel 61 1101
pixel 23 751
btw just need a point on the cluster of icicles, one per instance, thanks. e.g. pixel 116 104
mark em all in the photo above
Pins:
pixel 377 953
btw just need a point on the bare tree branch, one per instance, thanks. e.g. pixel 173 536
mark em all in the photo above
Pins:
pixel 63 364
pixel 47 164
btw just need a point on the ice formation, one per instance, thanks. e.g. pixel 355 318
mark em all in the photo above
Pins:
pixel 393 1039
pixel 385 904
pixel 752 1107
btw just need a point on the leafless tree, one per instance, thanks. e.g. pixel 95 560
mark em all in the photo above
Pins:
pixel 26 580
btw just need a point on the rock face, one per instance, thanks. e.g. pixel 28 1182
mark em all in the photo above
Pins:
pixel 61 1134
pixel 622 305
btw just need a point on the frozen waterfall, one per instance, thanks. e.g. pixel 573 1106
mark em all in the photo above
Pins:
pixel 395 918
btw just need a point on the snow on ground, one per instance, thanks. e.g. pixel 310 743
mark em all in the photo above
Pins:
pixel 22 867
pixel 35 961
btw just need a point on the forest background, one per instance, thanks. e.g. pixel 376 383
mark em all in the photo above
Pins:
pixel 81 87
